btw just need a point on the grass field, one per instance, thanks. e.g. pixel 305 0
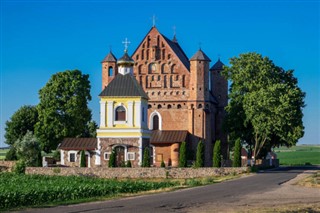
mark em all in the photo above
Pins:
pixel 299 155
pixel 3 153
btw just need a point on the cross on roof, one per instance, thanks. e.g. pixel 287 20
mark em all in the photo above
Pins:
pixel 126 42
pixel 154 18
pixel 174 30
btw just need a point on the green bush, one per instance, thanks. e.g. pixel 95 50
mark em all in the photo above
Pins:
pixel 56 155
pixel 128 164
pixel 237 154
pixel 183 155
pixel 200 155
pixel 82 159
pixel 11 154
pixel 20 167
pixel 112 159
pixel 163 164
pixel 146 157
pixel 217 154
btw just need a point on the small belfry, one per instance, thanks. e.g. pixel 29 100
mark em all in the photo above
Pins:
pixel 123 116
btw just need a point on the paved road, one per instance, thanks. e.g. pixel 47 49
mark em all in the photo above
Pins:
pixel 181 200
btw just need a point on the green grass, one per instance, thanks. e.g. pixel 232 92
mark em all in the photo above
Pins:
pixel 3 153
pixel 299 155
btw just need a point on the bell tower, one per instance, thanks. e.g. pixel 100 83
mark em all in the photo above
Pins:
pixel 109 69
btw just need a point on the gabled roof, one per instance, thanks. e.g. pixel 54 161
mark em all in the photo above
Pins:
pixel 109 58
pixel 78 144
pixel 178 51
pixel 124 86
pixel 168 136
pixel 217 66
pixel 173 45
pixel 200 56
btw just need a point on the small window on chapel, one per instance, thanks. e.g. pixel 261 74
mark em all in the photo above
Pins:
pixel 110 71
pixel 72 157
pixel 120 113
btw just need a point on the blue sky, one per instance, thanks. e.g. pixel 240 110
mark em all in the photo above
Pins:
pixel 40 38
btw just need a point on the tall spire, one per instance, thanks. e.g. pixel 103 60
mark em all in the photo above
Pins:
pixel 126 44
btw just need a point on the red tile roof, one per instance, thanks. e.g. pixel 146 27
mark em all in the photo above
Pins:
pixel 168 136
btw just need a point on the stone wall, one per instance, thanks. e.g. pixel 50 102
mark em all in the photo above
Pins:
pixel 7 165
pixel 136 172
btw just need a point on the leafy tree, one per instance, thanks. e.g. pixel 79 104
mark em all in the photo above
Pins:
pixel 82 159
pixel 19 167
pixel 28 149
pixel 146 157
pixel 200 155
pixel 183 155
pixel 21 121
pixel 237 154
pixel 39 160
pixel 112 159
pixel 90 130
pixel 265 107
pixel 217 154
pixel 57 155
pixel 11 154
pixel 63 108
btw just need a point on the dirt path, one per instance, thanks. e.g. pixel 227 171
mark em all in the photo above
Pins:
pixel 288 197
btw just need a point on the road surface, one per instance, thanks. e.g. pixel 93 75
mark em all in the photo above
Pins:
pixel 226 193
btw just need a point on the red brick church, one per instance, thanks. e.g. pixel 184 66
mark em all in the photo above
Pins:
pixel 186 100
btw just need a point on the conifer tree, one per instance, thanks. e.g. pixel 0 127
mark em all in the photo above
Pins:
pixel 82 159
pixel 200 155
pixel 112 159
pixel 146 157
pixel 217 154
pixel 183 155
pixel 237 154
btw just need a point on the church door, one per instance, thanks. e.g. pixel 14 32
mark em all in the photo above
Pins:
pixel 156 122
pixel 120 156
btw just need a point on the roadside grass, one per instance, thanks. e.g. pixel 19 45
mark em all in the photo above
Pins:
pixel 299 155
pixel 25 191
pixel 312 181
pixel 3 153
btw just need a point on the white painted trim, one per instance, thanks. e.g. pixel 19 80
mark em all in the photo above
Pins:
pixel 89 158
pixel 75 157
pixel 151 120
pixel 154 153
pixel 131 153
pixel 123 130
pixel 140 152
pixel 104 155
pixel 102 113
pixel 130 113
pixel 110 114
pixel 98 153
pixel 124 137
pixel 62 157
pixel 137 106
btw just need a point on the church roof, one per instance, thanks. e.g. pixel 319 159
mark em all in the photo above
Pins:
pixel 124 86
pixel 78 144
pixel 125 59
pixel 178 51
pixel 110 58
pixel 217 66
pixel 200 56
pixel 168 136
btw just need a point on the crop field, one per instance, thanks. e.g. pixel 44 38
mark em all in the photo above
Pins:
pixel 3 153
pixel 32 190
pixel 299 155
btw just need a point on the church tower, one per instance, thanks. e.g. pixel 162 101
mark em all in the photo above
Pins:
pixel 109 69
pixel 123 116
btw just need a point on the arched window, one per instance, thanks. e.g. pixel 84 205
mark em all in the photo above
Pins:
pixel 159 106
pixel 169 106
pixel 110 71
pixel 155 122
pixel 179 106
pixel 120 113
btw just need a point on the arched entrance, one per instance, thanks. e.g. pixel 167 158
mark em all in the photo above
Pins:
pixel 120 152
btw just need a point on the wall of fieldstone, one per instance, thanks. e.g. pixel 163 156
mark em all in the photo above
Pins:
pixel 136 172
pixel 6 165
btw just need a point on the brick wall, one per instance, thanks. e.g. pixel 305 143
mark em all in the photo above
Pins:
pixel 103 172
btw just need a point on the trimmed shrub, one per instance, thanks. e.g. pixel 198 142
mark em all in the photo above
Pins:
pixel 183 155
pixel 56 155
pixel 200 155
pixel 146 157
pixel 82 159
pixel 237 154
pixel 39 160
pixel 162 164
pixel 217 154
pixel 112 159
pixel 128 164
pixel 20 167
